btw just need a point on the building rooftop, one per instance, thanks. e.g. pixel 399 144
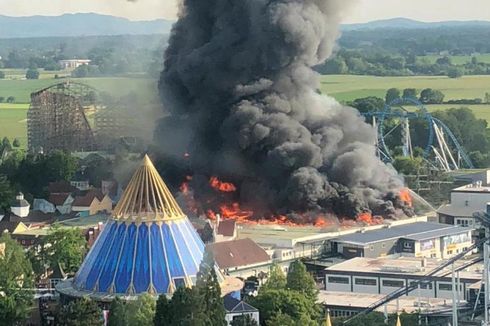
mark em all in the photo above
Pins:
pixel 237 253
pixel 403 266
pixel 416 231
pixel 360 301
pixel 472 188
pixel 284 236
pixel 227 228
pixel 455 210
pixel 233 305
pixel 58 199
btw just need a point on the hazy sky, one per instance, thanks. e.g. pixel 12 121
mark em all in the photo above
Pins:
pixel 366 10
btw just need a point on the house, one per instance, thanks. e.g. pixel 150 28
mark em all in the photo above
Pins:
pixel 20 206
pixel 73 63
pixel 420 239
pixel 224 230
pixel 62 202
pixel 81 184
pixel 93 202
pixel 43 205
pixel 241 258
pixel 236 308
pixel 465 201
pixel 12 227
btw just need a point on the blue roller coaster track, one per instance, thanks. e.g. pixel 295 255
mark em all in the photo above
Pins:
pixel 420 113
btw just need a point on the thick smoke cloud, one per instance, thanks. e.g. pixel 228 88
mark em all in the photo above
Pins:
pixel 243 102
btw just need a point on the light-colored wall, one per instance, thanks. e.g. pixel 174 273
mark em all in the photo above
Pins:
pixel 20 211
pixel 255 316
pixel 373 289
pixel 475 201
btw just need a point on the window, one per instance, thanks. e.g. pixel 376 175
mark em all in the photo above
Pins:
pixel 449 252
pixel 383 245
pixel 371 248
pixel 393 284
pixel 466 203
pixel 407 245
pixel 445 287
pixel 423 286
pixel 339 280
pixel 366 281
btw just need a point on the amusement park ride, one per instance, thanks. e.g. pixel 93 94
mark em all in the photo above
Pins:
pixel 442 150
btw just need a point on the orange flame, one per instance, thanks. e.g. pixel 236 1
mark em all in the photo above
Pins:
pixel 406 197
pixel 219 185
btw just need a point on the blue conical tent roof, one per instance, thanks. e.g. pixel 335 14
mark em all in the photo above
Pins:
pixel 148 246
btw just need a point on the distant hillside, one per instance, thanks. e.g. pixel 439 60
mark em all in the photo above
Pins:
pixel 78 25
pixel 405 23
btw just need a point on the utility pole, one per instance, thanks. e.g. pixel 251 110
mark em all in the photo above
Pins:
pixel 455 300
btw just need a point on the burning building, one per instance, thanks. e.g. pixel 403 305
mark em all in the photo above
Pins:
pixel 247 124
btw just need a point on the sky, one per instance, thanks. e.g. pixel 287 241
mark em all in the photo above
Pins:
pixel 363 11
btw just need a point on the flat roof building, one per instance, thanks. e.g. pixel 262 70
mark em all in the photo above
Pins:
pixel 420 239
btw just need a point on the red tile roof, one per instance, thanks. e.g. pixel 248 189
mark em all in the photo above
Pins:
pixel 227 228
pixel 88 198
pixel 238 253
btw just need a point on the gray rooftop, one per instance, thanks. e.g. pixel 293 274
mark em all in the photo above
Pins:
pixel 415 231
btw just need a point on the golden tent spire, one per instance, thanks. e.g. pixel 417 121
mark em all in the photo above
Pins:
pixel 147 198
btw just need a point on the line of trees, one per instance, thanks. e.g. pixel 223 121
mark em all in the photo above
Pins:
pixel 382 63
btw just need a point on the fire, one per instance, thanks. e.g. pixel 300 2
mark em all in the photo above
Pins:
pixel 369 219
pixel 406 197
pixel 219 185
pixel 190 203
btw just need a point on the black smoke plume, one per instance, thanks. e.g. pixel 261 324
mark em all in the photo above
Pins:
pixel 244 104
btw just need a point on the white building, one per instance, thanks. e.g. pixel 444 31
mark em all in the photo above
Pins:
pixel 236 308
pixel 465 201
pixel 20 206
pixel 385 275
pixel 73 63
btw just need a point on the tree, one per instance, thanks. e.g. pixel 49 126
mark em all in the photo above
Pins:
pixel 444 61
pixel 16 143
pixel 455 72
pixel 58 166
pixel 2 75
pixel 6 193
pixel 141 312
pixel 15 279
pixel 410 93
pixel 209 291
pixel 487 98
pixel 368 104
pixel 10 99
pixel 82 312
pixel 298 279
pixel 430 96
pixel 392 94
pixel 32 73
pixel 118 315
pixel 163 311
pixel 335 66
pixel 408 165
pixel 280 319
pixel 2 99
pixel 65 247
pixel 276 280
pixel 292 303
pixel 5 146
pixel 244 320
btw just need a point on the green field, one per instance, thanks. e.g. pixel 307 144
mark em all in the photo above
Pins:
pixel 13 123
pixel 21 89
pixel 458 59
pixel 350 87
